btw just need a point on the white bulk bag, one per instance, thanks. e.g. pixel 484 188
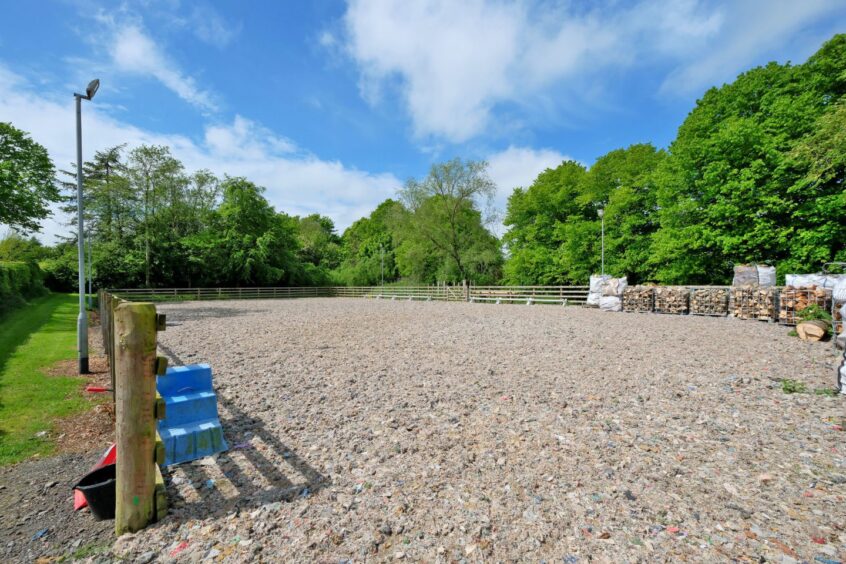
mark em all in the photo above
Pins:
pixel 614 287
pixel 610 303
pixel 596 282
pixel 766 275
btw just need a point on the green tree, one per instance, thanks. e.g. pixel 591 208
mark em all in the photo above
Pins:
pixel 534 218
pixel 256 245
pixel 445 219
pixel 368 246
pixel 157 179
pixel 728 191
pixel 27 180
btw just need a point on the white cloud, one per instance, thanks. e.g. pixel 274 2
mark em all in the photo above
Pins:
pixel 297 182
pixel 133 51
pixel 210 27
pixel 517 167
pixel 453 64
pixel 753 29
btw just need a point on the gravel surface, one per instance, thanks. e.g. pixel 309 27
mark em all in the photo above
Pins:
pixel 378 430
pixel 36 505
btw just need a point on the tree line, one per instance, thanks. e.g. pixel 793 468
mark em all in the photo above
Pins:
pixel 755 174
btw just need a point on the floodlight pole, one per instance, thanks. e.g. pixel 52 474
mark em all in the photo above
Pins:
pixel 382 271
pixel 90 270
pixel 601 213
pixel 82 319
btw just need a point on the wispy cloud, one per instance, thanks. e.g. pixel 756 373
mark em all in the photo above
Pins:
pixel 132 50
pixel 752 29
pixel 209 26
pixel 455 64
pixel 297 181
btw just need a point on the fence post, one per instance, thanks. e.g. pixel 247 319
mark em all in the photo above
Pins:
pixel 466 290
pixel 135 426
pixel 113 303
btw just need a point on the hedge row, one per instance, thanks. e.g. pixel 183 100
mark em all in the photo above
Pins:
pixel 19 281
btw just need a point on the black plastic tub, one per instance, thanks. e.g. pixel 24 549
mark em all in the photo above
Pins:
pixel 98 487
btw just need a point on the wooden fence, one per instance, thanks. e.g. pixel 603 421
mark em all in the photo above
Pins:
pixel 468 293
pixel 129 330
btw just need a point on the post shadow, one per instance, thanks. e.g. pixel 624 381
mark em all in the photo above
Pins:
pixel 282 489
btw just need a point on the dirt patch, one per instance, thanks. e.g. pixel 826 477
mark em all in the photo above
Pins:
pixel 97 366
pixel 91 429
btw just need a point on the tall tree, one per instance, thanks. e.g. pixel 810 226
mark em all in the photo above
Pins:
pixel 27 180
pixel 157 178
pixel 445 214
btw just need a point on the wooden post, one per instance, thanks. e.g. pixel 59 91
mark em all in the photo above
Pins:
pixel 135 424
pixel 113 303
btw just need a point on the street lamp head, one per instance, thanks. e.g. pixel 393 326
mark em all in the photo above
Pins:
pixel 601 212
pixel 92 88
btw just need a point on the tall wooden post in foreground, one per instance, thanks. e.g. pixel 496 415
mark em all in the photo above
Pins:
pixel 134 359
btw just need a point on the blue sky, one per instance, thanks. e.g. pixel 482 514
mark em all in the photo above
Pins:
pixel 331 105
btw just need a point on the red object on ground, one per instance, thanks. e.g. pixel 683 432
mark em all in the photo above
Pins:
pixel 179 548
pixel 109 457
pixel 96 389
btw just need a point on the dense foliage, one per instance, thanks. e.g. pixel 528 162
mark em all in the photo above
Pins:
pixel 19 281
pixel 26 180
pixel 755 174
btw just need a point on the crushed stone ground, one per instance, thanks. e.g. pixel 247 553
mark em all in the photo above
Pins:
pixel 371 430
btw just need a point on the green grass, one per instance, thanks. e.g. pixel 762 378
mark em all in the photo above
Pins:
pixel 32 339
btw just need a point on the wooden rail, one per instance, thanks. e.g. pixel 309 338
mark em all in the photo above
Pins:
pixel 499 294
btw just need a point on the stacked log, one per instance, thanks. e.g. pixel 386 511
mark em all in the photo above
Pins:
pixel 754 302
pixel 794 300
pixel 709 301
pixel 669 299
pixel 638 298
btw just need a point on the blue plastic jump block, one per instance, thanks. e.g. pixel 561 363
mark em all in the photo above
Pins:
pixel 191 428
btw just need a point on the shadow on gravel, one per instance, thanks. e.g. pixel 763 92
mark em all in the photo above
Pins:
pixel 246 476
pixel 207 313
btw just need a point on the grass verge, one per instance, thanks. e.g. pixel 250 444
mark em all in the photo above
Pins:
pixel 31 340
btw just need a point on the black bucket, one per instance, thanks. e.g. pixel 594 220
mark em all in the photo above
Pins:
pixel 98 487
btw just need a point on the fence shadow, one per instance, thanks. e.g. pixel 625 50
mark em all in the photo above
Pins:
pixel 245 476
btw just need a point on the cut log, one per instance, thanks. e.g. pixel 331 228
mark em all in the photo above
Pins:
pixel 813 330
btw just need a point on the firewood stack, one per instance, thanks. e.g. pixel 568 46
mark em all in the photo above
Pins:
pixel 638 298
pixel 709 301
pixel 669 299
pixel 793 300
pixel 754 302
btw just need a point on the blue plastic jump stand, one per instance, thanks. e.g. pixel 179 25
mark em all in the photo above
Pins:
pixel 191 428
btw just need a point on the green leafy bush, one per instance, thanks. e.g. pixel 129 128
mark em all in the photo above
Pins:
pixel 19 281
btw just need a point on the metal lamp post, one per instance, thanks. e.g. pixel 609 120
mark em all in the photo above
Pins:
pixel 82 320
pixel 601 212
pixel 382 271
